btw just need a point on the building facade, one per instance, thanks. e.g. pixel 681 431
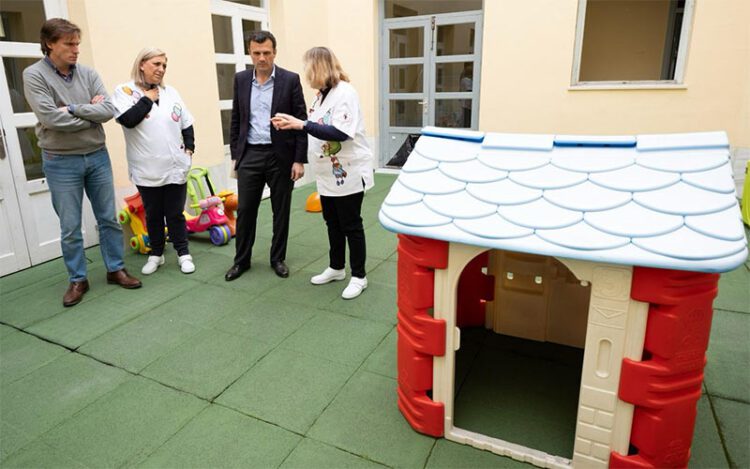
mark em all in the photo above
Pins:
pixel 594 67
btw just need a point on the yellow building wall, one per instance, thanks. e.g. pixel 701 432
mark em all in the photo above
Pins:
pixel 114 33
pixel 350 28
pixel 528 50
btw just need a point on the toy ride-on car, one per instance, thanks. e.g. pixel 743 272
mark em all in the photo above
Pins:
pixel 210 215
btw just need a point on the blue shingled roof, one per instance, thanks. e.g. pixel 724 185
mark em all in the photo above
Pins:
pixel 663 201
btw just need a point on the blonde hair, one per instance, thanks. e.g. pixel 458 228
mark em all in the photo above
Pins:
pixel 146 54
pixel 322 68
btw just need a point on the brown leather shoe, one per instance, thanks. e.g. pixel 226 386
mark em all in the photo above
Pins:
pixel 123 278
pixel 75 292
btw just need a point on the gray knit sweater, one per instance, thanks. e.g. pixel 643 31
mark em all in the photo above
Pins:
pixel 58 131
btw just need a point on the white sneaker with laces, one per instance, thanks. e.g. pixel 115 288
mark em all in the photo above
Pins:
pixel 328 275
pixel 355 288
pixel 186 264
pixel 152 263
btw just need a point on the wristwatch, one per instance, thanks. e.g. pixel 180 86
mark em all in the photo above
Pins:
pixel 304 124
pixel 71 109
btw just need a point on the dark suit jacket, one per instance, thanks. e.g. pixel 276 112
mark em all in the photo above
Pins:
pixel 289 145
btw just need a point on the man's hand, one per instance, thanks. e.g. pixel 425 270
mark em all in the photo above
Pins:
pixel 298 170
pixel 97 99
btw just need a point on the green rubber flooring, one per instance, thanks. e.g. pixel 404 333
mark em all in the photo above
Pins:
pixel 193 371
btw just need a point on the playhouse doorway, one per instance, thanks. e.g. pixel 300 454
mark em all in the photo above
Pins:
pixel 518 369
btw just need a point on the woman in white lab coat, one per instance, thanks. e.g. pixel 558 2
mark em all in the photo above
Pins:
pixel 342 164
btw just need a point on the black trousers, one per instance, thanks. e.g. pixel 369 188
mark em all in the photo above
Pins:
pixel 257 168
pixel 165 202
pixel 344 221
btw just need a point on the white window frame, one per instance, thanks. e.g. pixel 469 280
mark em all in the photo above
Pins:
pixel 240 59
pixel 678 82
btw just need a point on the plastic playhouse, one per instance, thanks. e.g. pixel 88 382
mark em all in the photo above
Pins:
pixel 610 244
pixel 214 213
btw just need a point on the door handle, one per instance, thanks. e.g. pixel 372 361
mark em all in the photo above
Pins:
pixel 425 106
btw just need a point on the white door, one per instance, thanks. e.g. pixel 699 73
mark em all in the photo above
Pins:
pixel 29 227
pixel 430 76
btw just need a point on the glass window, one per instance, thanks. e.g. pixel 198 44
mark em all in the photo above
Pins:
pixel 630 41
pixel 453 113
pixel 406 78
pixel 14 76
pixel 222 26
pixel 407 42
pixel 225 77
pixel 31 153
pixel 454 77
pixel 455 39
pixel 247 28
pixel 21 20
pixel 406 113
pixel 405 8
pixel 226 122
pixel 250 3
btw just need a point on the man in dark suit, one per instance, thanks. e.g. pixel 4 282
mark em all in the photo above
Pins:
pixel 261 154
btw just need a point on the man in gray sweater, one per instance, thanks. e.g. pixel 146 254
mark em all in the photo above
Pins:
pixel 71 104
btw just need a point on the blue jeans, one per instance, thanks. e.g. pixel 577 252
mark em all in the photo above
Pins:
pixel 67 177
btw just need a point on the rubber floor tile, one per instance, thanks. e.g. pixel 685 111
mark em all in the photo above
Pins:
pixel 220 437
pixel 385 272
pixel 706 449
pixel 734 291
pixel 449 455
pixel 298 289
pixel 287 388
pixel 383 360
pixel 205 305
pixel 314 454
pixel 23 308
pixel 524 400
pixel 48 272
pixel 337 338
pixel 135 344
pixel 39 454
pixel 728 355
pixel 150 296
pixel 380 243
pixel 84 322
pixel 22 353
pixel 734 424
pixel 207 363
pixel 364 419
pixel 377 303
pixel 125 425
pixel 54 392
pixel 11 440
pixel 269 320
pixel 208 265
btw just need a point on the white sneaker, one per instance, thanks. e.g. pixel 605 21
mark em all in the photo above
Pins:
pixel 328 275
pixel 186 264
pixel 152 264
pixel 354 289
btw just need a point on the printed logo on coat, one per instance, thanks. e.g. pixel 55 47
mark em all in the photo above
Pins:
pixel 176 112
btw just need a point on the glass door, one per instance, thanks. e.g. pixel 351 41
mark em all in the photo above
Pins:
pixel 431 77
pixel 30 231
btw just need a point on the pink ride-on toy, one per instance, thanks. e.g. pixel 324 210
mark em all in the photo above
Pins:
pixel 209 207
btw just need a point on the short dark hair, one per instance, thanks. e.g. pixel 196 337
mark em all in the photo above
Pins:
pixel 260 37
pixel 55 28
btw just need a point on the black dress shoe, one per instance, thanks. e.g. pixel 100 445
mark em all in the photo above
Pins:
pixel 281 269
pixel 235 272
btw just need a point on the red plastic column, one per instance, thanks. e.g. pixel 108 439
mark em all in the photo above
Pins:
pixel 420 337
pixel 666 385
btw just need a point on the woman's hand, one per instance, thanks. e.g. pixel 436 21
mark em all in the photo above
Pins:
pixel 189 152
pixel 283 121
pixel 152 94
